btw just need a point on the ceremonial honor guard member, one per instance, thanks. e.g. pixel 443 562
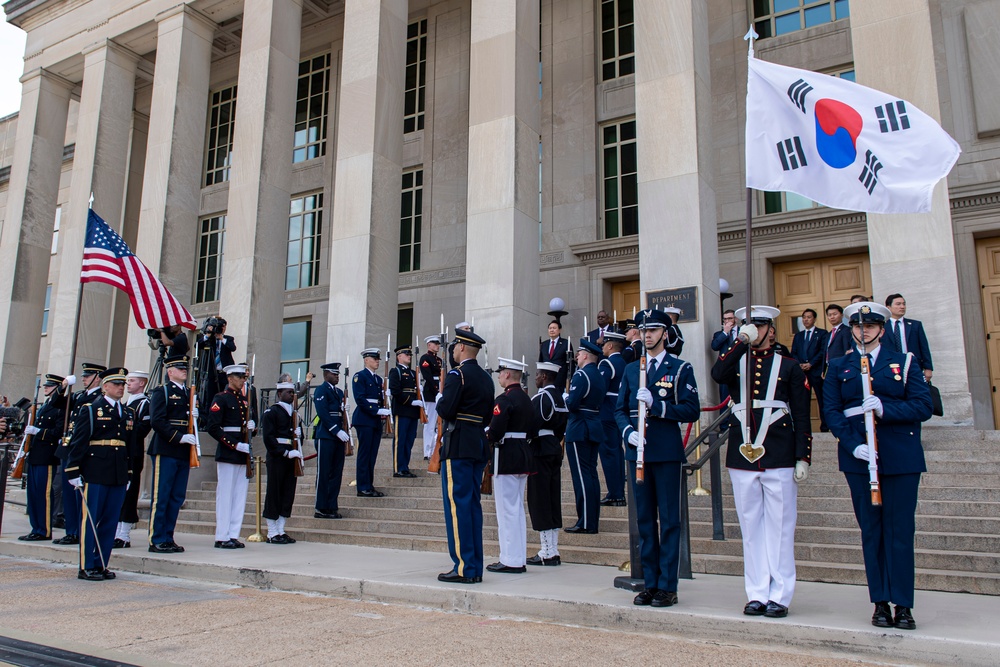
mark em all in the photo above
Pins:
pixel 675 339
pixel 138 408
pixel 633 342
pixel 98 469
pixel 671 398
pixel 900 400
pixel 465 406
pixel 612 453
pixel 405 411
pixel 70 499
pixel 369 409
pixel 42 461
pixel 430 373
pixel 511 428
pixel 170 454
pixel 767 462
pixel 584 435
pixel 231 422
pixel 281 434
pixel 331 442
pixel 545 485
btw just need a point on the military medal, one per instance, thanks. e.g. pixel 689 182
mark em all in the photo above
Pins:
pixel 895 369
pixel 663 393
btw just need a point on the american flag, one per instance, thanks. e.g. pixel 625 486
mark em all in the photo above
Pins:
pixel 107 259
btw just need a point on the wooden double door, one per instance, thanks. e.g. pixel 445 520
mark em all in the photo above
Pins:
pixel 988 259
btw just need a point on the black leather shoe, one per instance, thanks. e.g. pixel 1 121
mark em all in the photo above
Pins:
pixel 121 544
pixel 454 577
pixel 277 539
pixel 775 610
pixel 614 502
pixel 904 619
pixel 59 522
pixel 33 537
pixel 176 548
pixel 477 580
pixel 664 599
pixel 755 608
pixel 538 560
pixel 91 575
pixel 581 531
pixel 882 618
pixel 239 545
pixel 227 544
pixel 67 540
pixel 326 515
pixel 108 574
pixel 160 548
pixel 427 458
pixel 371 494
pixel 645 598
pixel 505 569
pixel 408 474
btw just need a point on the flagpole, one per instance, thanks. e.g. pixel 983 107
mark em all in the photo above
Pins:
pixel 76 330
pixel 748 384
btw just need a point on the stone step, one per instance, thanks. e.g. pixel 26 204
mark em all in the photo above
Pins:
pixel 844 518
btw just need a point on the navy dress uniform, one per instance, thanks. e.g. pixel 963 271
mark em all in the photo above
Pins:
pixel 369 409
pixel 430 374
pixel 545 485
pixel 612 452
pixel 900 401
pixel 170 455
pixel 281 434
pixel 331 441
pixel 98 468
pixel 675 339
pixel 465 406
pixel 138 407
pixel 42 460
pixel 406 415
pixel 766 468
pixel 584 435
pixel 671 396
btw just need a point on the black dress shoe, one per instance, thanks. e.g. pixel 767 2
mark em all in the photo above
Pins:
pixel 108 574
pixel 408 474
pixel 613 502
pixel 645 598
pixel 33 537
pixel 121 544
pixel 755 608
pixel 288 538
pixel 176 548
pixel 239 545
pixel 277 539
pixel 326 515
pixel 371 494
pixel 427 458
pixel 581 531
pixel 227 544
pixel 505 569
pixel 454 577
pixel 882 618
pixel 67 540
pixel 59 523
pixel 163 548
pixel 775 610
pixel 538 560
pixel 91 575
pixel 664 599
pixel 477 580
pixel 904 619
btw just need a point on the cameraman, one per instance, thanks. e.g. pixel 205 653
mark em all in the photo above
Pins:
pixel 172 337
pixel 220 348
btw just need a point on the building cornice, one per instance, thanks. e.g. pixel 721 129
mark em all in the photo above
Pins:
pixel 607 251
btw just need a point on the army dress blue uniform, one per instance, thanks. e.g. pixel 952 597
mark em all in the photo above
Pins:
pixel 42 462
pixel 330 445
pixel 169 414
pixel 406 416
pixel 544 490
pixel 70 498
pixel 369 397
pixel 612 452
pixel 584 434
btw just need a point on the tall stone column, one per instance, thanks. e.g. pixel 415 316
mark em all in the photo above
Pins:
pixel 678 241
pixel 171 183
pixel 100 166
pixel 501 289
pixel 253 268
pixel 365 246
pixel 914 254
pixel 25 246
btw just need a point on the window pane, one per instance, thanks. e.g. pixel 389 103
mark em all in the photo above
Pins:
pixel 761 8
pixel 794 202
pixel 817 15
pixel 295 340
pixel 843 9
pixel 787 23
pixel 785 5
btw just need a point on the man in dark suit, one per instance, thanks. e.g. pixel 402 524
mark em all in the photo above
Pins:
pixel 900 400
pixel 556 350
pixel 722 341
pixel 839 341
pixel 604 324
pixel 809 349
pixel 905 335
pixel 219 347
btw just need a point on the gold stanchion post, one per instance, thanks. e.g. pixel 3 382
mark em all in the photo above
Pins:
pixel 698 490
pixel 257 536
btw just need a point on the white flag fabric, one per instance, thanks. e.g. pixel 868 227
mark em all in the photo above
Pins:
pixel 840 143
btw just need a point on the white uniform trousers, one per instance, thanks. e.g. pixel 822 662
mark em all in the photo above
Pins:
pixel 508 492
pixel 230 500
pixel 430 428
pixel 766 504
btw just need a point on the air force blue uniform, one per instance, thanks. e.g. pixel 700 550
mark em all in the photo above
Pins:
pixel 368 396
pixel 329 402
pixel 584 435
pixel 611 451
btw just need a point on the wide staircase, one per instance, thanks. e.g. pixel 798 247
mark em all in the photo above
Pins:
pixel 958 517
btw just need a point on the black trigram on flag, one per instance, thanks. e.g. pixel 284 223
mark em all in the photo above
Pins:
pixel 869 173
pixel 791 154
pixel 797 93
pixel 892 117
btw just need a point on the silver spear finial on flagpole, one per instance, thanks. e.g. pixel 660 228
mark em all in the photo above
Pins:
pixel 749 37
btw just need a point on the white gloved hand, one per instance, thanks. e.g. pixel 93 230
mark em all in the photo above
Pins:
pixel 32 430
pixel 874 404
pixel 243 447
pixel 861 452
pixel 293 454
pixel 194 413
pixel 417 404
pixel 748 333
pixel 565 395
pixel 298 432
pixel 801 471
pixel 645 395
pixel 70 380
pixel 634 439
pixel 344 436
pixel 251 425
pixel 189 439
pixel 384 412
pixel 76 482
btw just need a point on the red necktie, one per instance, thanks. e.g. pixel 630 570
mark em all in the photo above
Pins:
pixel 552 349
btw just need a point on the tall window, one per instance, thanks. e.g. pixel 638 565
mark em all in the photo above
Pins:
pixel 621 189
pixel 305 222
pixel 55 230
pixel 778 17
pixel 295 339
pixel 416 76
pixel 221 123
pixel 210 259
pixel 410 216
pixel 45 313
pixel 617 39
pixel 310 108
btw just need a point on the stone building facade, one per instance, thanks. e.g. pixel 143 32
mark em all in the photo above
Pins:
pixel 327 173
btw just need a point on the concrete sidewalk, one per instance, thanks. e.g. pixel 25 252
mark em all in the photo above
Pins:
pixel 953 628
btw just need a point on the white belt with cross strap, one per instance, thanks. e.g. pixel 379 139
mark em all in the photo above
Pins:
pixel 773 410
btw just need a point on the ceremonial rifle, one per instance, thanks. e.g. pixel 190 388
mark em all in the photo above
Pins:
pixel 22 452
pixel 192 429
pixel 384 399
pixel 870 439
pixel 420 395
pixel 434 465
pixel 246 420
pixel 296 422
pixel 345 420
pixel 641 447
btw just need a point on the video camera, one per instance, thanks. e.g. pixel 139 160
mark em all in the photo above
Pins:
pixel 15 417
pixel 212 326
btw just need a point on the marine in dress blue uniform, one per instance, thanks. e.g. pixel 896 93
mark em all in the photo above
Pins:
pixel 465 406
pixel 612 452
pixel 369 410
pixel 405 411
pixel 900 401
pixel 671 397
pixel 331 442
pixel 98 468
pixel 42 462
pixel 584 435
pixel 545 485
